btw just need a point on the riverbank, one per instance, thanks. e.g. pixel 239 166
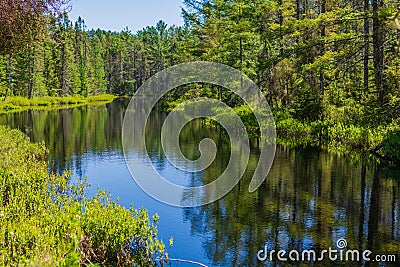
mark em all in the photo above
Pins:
pixel 17 103
pixel 45 220
pixel 341 131
pixel 340 136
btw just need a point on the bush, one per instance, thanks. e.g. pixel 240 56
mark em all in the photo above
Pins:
pixel 47 221
pixel 354 137
pixel 293 132
pixel 391 145
pixel 328 132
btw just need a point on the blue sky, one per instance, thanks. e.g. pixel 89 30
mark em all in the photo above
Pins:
pixel 118 14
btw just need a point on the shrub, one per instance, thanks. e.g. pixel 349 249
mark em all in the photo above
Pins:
pixel 47 221
pixel 391 144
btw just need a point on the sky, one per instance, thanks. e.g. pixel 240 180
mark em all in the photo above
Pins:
pixel 115 15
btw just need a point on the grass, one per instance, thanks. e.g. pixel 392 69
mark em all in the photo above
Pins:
pixel 339 136
pixel 45 220
pixel 17 103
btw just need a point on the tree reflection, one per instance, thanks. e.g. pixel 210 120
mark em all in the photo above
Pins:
pixel 69 133
pixel 309 201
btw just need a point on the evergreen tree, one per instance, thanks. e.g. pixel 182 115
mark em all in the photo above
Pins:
pixel 3 77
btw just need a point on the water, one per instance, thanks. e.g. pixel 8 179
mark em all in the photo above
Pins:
pixel 309 201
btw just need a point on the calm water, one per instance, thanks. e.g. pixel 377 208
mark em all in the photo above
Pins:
pixel 309 201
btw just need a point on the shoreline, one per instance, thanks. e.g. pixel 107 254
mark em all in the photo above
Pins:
pixel 19 104
pixel 332 136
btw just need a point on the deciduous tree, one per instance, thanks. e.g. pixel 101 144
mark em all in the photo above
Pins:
pixel 24 21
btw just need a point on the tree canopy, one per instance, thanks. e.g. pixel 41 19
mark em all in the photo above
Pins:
pixel 24 21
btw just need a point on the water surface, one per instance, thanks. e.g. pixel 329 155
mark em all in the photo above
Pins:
pixel 309 201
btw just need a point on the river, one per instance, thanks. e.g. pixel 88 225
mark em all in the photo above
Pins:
pixel 310 200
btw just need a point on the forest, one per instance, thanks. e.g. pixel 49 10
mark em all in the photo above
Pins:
pixel 329 70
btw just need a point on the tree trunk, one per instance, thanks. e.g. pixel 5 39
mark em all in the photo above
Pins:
pixel 322 48
pixel 241 52
pixel 366 46
pixel 377 36
pixel 31 71
pixel 280 20
pixel 121 68
pixel 63 71
pixel 8 73
pixel 298 9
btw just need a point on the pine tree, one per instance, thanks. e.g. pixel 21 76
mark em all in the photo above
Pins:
pixel 3 77
pixel 98 82
pixel 38 79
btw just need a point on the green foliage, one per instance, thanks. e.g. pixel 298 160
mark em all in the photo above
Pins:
pixel 3 77
pixel 249 120
pixel 391 144
pixel 22 22
pixel 18 103
pixel 337 132
pixel 314 62
pixel 292 131
pixel 45 220
pixel 351 136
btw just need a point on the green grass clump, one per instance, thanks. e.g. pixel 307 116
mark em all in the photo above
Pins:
pixel 47 221
pixel 100 98
pixel 18 103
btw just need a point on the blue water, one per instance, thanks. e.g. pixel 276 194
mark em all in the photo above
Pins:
pixel 310 199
